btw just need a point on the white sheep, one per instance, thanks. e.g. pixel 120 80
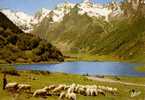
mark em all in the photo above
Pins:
pixel 52 87
pixel 49 88
pixel 71 89
pixel 88 92
pixel 40 92
pixel 115 89
pixel 108 89
pixel 59 88
pixel 66 87
pixel 91 92
pixel 81 91
pixel 12 86
pixel 94 92
pixel 24 87
pixel 62 95
pixel 100 91
pixel 71 96
pixel 46 88
pixel 76 88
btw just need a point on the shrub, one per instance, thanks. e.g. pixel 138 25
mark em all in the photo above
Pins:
pixel 3 41
pixel 12 39
pixel 8 69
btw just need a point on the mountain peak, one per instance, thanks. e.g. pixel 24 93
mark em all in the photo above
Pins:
pixel 87 1
pixel 42 13
pixel 21 19
pixel 27 22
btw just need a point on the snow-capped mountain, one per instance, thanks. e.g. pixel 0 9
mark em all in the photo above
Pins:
pixel 99 10
pixel 60 11
pixel 88 7
pixel 40 15
pixel 21 19
pixel 27 22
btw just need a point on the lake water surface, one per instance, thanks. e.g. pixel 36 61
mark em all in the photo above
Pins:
pixel 82 67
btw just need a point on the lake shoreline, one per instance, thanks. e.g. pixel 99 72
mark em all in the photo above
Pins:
pixel 84 57
pixel 86 68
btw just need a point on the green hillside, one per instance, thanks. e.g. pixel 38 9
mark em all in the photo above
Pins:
pixel 18 47
pixel 71 30
pixel 122 37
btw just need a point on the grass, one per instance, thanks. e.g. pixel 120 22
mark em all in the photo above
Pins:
pixel 140 69
pixel 44 79
pixel 131 79
pixel 95 57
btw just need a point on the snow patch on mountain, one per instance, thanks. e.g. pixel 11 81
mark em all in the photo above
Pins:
pixel 99 10
pixel 24 21
pixel 61 10
pixel 21 19
pixel 40 15
pixel 27 22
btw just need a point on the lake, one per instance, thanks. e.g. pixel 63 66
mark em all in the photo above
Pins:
pixel 91 68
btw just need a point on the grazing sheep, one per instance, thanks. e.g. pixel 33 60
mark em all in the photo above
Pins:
pixel 24 87
pixel 40 92
pixel 77 87
pixel 115 89
pixel 94 92
pixel 46 88
pixel 101 92
pixel 12 86
pixel 68 96
pixel 62 95
pixel 73 85
pixel 94 86
pixel 71 89
pixel 71 96
pixel 50 87
pixel 88 92
pixel 59 88
pixel 66 87
pixel 91 92
pixel 81 91
pixel 108 89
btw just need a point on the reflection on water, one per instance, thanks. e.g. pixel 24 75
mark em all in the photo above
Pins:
pixel 92 68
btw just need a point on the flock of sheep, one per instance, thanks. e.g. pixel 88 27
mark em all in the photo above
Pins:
pixel 69 92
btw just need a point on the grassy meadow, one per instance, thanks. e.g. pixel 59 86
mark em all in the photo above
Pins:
pixel 40 79
pixel 140 69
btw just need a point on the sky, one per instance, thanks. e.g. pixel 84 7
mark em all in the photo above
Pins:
pixel 32 6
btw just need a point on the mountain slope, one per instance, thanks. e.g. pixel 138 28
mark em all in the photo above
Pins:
pixel 27 22
pixel 72 29
pixel 123 36
pixel 8 24
pixel 21 19
pixel 16 46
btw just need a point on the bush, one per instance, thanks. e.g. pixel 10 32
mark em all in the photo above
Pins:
pixel 3 41
pixel 9 70
pixel 34 42
pixel 40 72
pixel 12 39
pixel 24 42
